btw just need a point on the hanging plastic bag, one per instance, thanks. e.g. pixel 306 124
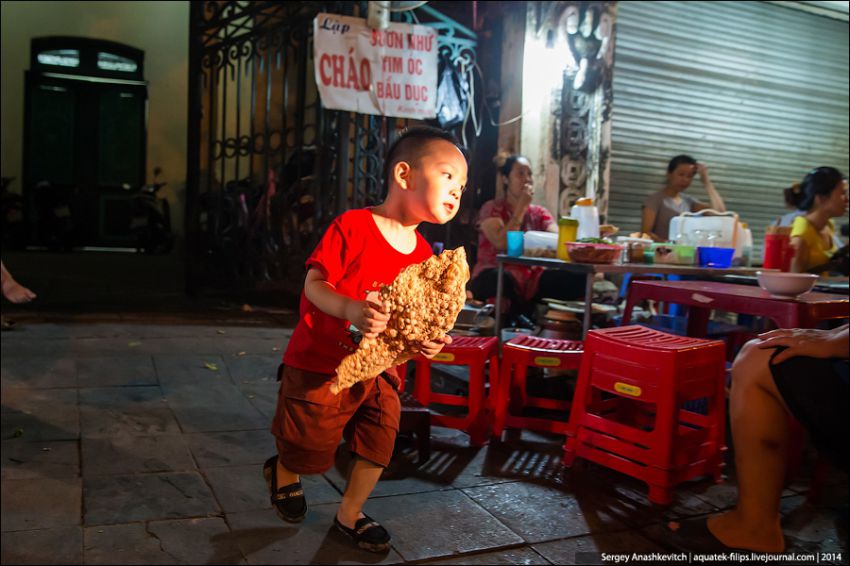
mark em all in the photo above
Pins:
pixel 452 95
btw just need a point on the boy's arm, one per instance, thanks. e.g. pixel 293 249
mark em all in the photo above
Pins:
pixel 362 314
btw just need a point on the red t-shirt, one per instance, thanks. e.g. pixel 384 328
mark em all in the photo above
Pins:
pixel 356 259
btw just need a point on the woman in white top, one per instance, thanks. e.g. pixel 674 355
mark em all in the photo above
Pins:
pixel 660 207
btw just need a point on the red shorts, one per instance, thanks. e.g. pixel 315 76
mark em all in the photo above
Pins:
pixel 310 420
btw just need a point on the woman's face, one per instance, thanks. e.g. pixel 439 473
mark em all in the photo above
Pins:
pixel 836 202
pixel 680 178
pixel 520 176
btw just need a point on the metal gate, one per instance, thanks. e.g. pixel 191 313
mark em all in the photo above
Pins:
pixel 269 167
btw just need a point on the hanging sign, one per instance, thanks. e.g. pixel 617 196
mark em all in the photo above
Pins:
pixel 388 72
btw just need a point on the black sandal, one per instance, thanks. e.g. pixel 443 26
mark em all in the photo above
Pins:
pixel 288 501
pixel 367 533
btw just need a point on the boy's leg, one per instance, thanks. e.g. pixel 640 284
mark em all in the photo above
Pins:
pixel 307 426
pixel 361 481
pixel 371 436
pixel 284 476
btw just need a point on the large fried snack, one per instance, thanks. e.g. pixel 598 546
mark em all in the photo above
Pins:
pixel 424 301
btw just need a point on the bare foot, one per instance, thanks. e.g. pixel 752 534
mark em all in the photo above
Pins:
pixel 730 529
pixel 347 520
pixel 16 292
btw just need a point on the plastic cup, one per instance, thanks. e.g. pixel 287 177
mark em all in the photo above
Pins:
pixel 514 244
pixel 778 251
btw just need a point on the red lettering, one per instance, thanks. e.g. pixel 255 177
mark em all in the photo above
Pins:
pixel 324 63
pixel 338 62
pixel 416 92
pixel 414 66
pixel 351 82
pixel 365 74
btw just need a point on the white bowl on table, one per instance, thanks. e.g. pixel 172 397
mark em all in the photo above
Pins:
pixel 786 284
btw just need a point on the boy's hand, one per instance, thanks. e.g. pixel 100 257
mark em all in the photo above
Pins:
pixel 371 319
pixel 431 349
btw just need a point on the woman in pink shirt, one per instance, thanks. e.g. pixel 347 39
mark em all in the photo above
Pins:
pixel 515 212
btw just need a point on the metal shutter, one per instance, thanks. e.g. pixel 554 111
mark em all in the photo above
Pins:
pixel 756 91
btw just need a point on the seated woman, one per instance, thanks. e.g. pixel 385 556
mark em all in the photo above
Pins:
pixel 823 196
pixel 660 207
pixel 515 212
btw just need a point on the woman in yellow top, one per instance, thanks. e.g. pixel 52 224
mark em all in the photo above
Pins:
pixel 823 195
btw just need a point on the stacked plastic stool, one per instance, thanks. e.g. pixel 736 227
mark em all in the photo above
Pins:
pixel 628 411
pixel 518 354
pixel 472 351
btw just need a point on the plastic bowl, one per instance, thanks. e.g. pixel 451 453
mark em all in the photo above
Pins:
pixel 593 253
pixel 715 257
pixel 786 284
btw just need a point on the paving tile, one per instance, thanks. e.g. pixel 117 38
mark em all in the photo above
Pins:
pixel 213 449
pixel 262 395
pixel 40 414
pixel 540 512
pixel 213 405
pixel 38 372
pixel 398 479
pixel 57 545
pixel 125 454
pixel 660 534
pixel 116 371
pixel 122 499
pixel 185 541
pixel 253 368
pixel 134 411
pixel 123 544
pixel 454 462
pixel 523 555
pixel 626 498
pixel 191 369
pixel 265 539
pixel 586 549
pixel 41 503
pixel 810 528
pixel 439 524
pixel 529 458
pixel 46 459
pixel 242 488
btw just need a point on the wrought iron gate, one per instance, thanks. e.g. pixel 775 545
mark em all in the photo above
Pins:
pixel 269 167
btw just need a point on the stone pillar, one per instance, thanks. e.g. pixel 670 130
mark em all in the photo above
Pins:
pixel 565 91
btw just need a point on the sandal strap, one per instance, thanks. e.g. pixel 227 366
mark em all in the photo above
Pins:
pixel 281 496
pixel 363 528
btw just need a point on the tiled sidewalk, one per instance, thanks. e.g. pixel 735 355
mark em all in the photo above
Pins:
pixel 134 443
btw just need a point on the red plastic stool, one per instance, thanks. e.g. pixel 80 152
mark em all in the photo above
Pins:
pixel 470 351
pixel 627 410
pixel 518 354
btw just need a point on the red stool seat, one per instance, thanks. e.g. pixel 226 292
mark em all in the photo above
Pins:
pixel 518 354
pixel 472 351
pixel 628 410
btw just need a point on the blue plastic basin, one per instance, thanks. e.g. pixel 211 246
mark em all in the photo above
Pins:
pixel 715 257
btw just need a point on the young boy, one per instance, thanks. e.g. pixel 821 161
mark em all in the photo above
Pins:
pixel 425 172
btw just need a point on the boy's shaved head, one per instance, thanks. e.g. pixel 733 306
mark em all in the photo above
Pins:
pixel 410 146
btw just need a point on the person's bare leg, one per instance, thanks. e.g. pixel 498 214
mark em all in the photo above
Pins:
pixel 284 476
pixel 361 481
pixel 760 435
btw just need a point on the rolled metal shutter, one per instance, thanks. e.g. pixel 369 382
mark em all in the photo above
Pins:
pixel 757 91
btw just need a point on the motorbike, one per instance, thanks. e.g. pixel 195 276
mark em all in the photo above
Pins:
pixel 151 221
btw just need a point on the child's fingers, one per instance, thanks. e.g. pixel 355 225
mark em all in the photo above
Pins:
pixel 383 307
